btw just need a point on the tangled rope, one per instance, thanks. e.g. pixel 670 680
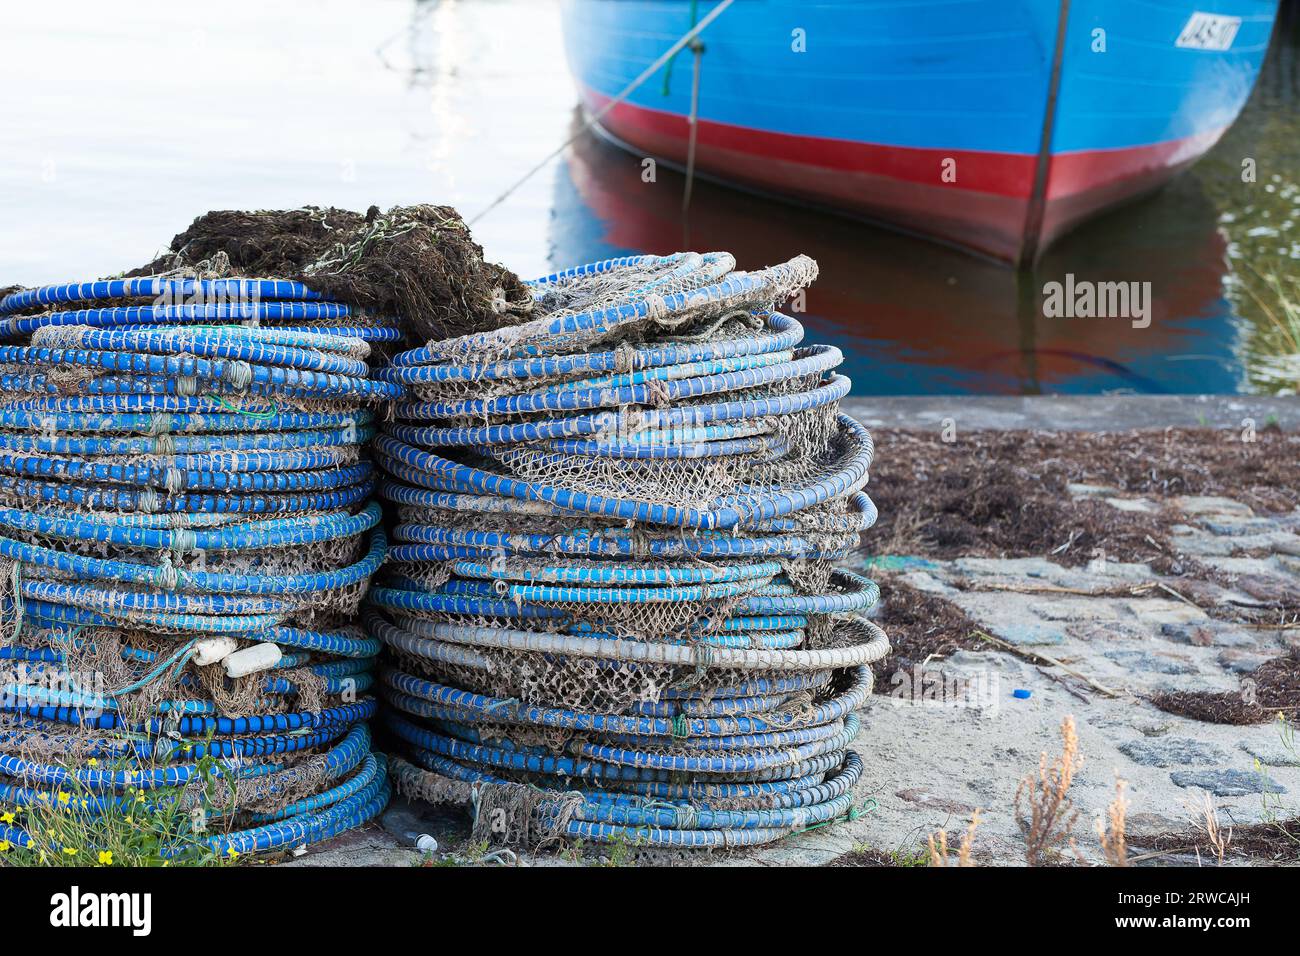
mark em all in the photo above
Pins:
pixel 187 531
pixel 612 610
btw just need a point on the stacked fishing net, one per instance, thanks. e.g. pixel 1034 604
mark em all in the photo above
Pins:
pixel 187 529
pixel 612 604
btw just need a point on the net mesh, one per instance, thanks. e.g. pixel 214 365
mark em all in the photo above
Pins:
pixel 612 612
pixel 177 489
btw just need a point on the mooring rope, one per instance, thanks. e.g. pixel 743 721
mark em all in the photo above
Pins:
pixel 592 119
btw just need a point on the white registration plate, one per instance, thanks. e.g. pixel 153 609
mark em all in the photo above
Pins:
pixel 1209 31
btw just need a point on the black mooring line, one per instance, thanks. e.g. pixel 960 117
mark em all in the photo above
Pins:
pixel 1032 235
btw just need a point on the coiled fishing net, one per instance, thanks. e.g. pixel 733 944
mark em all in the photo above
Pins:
pixel 612 608
pixel 187 531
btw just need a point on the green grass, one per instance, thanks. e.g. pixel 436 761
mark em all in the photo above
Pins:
pixel 1275 348
pixel 143 828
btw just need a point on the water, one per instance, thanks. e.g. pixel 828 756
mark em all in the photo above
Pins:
pixel 123 123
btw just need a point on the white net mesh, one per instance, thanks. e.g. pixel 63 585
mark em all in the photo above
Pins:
pixel 614 569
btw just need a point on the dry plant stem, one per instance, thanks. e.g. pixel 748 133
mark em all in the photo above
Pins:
pixel 938 842
pixel 1208 824
pixel 939 848
pixel 1110 829
pixel 968 840
pixel 1044 811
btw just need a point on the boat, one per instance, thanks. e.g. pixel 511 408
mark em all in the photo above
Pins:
pixel 993 125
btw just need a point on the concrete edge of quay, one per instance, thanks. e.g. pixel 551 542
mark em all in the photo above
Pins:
pixel 1090 413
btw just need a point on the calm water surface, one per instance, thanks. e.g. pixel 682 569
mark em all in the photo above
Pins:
pixel 120 123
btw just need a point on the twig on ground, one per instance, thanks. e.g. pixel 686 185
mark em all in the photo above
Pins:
pixel 1168 590
pixel 1064 683
pixel 1035 655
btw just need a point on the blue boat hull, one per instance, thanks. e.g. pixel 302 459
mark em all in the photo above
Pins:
pixel 993 124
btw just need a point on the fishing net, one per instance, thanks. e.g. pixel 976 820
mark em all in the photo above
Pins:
pixel 418 262
pixel 187 534
pixel 612 608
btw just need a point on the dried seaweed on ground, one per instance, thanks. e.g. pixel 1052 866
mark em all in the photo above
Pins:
pixel 1273 841
pixel 1274 689
pixel 920 626
pixel 866 856
pixel 1004 493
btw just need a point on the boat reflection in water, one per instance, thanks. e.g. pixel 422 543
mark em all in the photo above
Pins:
pixel 913 317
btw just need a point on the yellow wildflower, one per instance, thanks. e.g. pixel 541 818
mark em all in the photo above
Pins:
pixel 106 857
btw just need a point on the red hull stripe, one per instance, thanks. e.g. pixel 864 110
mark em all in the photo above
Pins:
pixel 1092 169
pixel 982 208
pixel 1003 174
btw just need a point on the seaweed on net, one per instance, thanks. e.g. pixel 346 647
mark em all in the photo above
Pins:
pixel 419 262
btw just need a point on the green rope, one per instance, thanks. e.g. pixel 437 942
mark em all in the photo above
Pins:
pixel 853 813
pixel 259 416
pixel 668 70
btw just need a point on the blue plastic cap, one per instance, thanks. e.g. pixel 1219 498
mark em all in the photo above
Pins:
pixel 1021 694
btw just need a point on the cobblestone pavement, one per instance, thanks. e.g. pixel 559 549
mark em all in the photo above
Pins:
pixel 1134 633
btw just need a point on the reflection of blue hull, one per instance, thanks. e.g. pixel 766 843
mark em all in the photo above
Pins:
pixel 914 318
pixel 887 97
